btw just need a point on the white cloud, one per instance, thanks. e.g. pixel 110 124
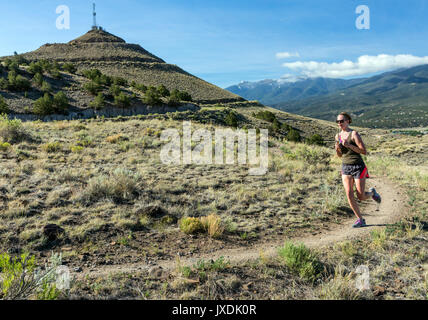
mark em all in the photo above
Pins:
pixel 291 78
pixel 364 65
pixel 285 55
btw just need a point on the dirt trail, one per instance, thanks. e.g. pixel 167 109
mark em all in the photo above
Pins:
pixel 392 208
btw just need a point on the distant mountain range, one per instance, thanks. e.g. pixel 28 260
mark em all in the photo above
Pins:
pixel 391 100
pixel 272 92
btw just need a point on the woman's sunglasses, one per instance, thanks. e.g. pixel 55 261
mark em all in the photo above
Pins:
pixel 340 121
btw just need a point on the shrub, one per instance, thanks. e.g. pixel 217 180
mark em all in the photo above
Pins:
pixel 301 261
pixel 119 81
pixel 122 100
pixel 312 155
pixel 92 74
pixel 4 84
pixel 55 73
pixel 38 79
pixel 46 65
pixel 191 225
pixel 3 106
pixel 60 102
pixel 35 68
pixel 18 82
pixel 77 149
pixel 98 102
pixel 217 265
pixel 12 131
pixel 44 105
pixel 11 65
pixel 315 139
pixel 293 135
pixel 185 96
pixel 46 87
pixel 140 87
pixel 4 146
pixel 213 225
pixel 163 91
pixel 20 60
pixel 120 186
pixel 47 105
pixel 20 279
pixel 104 80
pixel 152 97
pixel 116 138
pixel 231 119
pixel 52 147
pixel 22 84
pixel 265 115
pixel 115 90
pixel 342 287
pixel 174 98
pixel 69 67
pixel 92 87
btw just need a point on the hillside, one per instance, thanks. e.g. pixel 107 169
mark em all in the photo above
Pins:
pixel 272 92
pixel 109 54
pixel 395 99
pixel 130 227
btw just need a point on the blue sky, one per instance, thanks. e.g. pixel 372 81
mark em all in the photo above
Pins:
pixel 225 42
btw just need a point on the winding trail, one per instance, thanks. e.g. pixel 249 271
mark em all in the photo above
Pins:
pixel 391 210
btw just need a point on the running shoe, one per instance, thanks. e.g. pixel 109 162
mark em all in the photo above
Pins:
pixel 359 223
pixel 376 196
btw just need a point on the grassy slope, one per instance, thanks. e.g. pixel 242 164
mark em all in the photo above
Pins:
pixel 74 183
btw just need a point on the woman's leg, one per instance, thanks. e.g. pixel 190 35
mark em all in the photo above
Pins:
pixel 361 190
pixel 348 182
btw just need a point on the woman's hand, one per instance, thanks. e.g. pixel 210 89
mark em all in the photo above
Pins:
pixel 338 149
pixel 346 144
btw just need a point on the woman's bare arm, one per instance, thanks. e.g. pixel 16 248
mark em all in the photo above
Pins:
pixel 338 150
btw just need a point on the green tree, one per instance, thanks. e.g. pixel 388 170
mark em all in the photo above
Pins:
pixel 98 102
pixel 44 105
pixel 315 139
pixel 140 87
pixel 122 100
pixel 17 82
pixel 11 65
pixel 92 87
pixel 174 98
pixel 4 84
pixel 3 105
pixel 55 73
pixel 38 79
pixel 152 97
pixel 46 65
pixel 115 90
pixel 35 67
pixel 69 67
pixel 119 81
pixel 163 91
pixel 104 80
pixel 46 87
pixel 92 73
pixel 60 102
pixel 185 96
pixel 231 119
pixel 293 135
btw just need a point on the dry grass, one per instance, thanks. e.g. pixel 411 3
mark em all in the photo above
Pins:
pixel 98 204
pixel 213 225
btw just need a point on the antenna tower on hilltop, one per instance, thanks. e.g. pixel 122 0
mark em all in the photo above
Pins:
pixel 94 26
